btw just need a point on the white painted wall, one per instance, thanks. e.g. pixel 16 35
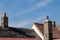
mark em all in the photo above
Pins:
pixel 38 31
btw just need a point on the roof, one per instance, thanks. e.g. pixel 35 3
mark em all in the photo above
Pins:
pixel 19 39
pixel 40 26
pixel 17 33
pixel 55 31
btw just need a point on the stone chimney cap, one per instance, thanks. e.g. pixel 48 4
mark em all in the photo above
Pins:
pixel 47 17
pixel 5 14
pixel 54 23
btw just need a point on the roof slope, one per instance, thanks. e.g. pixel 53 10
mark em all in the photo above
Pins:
pixel 18 33
pixel 40 26
pixel 19 39
pixel 55 31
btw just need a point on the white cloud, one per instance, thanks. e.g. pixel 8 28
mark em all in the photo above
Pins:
pixel 34 7
pixel 19 24
pixel 27 21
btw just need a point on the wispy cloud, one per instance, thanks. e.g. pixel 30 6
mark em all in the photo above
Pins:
pixel 34 7
pixel 27 21
pixel 19 24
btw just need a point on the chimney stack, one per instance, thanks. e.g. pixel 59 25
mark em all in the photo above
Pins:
pixel 54 23
pixel 4 21
pixel 47 29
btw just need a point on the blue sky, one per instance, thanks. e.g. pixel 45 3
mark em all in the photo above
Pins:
pixel 23 13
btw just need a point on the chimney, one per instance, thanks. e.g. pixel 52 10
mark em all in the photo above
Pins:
pixel 47 29
pixel 4 21
pixel 54 23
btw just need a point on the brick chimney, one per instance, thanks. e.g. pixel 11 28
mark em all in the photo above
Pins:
pixel 4 21
pixel 47 29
